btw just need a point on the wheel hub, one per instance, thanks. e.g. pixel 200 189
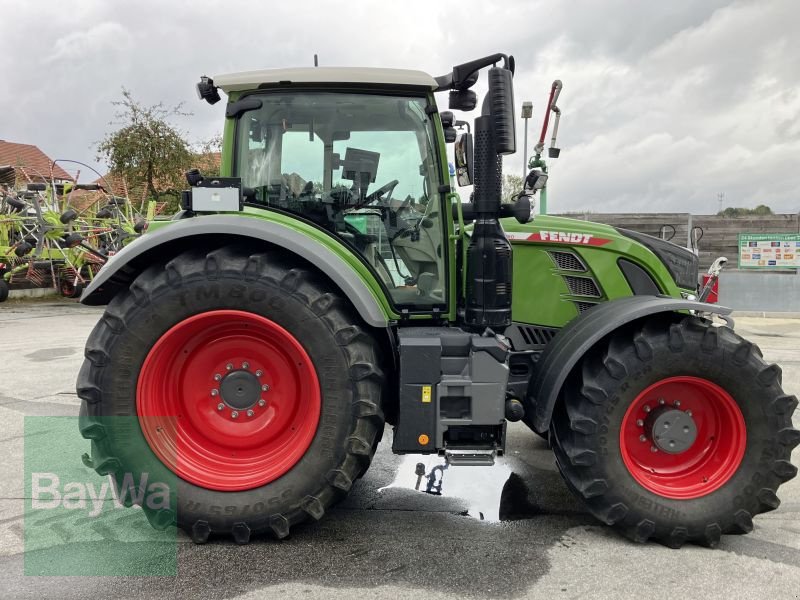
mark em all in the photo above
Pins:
pixel 683 437
pixel 240 389
pixel 228 400
pixel 672 430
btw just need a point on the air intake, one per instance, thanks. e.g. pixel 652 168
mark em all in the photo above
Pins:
pixel 568 261
pixel 582 286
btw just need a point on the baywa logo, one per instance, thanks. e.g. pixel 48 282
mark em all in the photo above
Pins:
pixel 48 492
pixel 78 522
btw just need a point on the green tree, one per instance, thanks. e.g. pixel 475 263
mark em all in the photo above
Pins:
pixel 147 149
pixel 208 157
pixel 759 211
pixel 512 185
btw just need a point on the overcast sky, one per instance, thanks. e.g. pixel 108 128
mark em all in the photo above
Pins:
pixel 665 104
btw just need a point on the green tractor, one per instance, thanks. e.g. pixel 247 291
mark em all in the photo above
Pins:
pixel 332 281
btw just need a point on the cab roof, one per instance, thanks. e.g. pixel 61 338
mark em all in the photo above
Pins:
pixel 249 80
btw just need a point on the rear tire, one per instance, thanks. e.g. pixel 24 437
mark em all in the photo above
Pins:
pixel 267 289
pixel 729 473
pixel 3 289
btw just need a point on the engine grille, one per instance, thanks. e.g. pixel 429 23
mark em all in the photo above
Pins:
pixel 582 286
pixel 568 261
pixel 584 306
pixel 537 336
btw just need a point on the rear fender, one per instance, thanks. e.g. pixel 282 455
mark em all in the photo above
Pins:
pixel 573 341
pixel 118 273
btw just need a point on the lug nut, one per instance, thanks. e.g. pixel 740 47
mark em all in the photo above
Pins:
pixel 214 392
pixel 661 401
pixel 234 414
pixel 265 388
pixel 688 412
pixel 653 449
pixel 642 438
pixel 677 403
pixel 250 413
pixel 245 365
pixel 646 408
pixel 639 422
pixel 220 406
pixel 229 367
pixel 217 377
pixel 259 373
pixel 262 402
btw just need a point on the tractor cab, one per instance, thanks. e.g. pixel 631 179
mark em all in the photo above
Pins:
pixel 361 165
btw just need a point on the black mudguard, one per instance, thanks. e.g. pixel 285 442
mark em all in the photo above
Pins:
pixel 562 354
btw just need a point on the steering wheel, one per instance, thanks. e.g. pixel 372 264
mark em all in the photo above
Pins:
pixel 385 189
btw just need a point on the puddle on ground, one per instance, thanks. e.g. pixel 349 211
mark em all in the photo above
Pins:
pixel 490 492
pixel 46 354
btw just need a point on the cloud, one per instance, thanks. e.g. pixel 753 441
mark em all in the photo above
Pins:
pixel 665 104
pixel 86 45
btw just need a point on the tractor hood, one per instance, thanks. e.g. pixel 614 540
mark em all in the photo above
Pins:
pixel 670 266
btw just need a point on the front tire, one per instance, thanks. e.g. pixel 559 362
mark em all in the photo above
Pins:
pixel 182 353
pixel 617 446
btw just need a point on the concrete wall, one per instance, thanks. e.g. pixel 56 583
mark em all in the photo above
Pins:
pixel 758 291
pixel 750 291
pixel 720 234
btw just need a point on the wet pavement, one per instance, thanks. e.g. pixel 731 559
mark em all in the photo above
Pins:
pixel 512 530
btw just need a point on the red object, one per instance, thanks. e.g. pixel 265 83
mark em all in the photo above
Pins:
pixel 178 400
pixel 708 463
pixel 713 295
pixel 547 114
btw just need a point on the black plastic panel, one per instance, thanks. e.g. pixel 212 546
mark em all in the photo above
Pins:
pixel 638 279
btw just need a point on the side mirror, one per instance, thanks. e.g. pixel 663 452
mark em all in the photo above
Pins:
pixel 450 135
pixel 463 153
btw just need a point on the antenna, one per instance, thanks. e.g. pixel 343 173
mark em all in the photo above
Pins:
pixel 316 61
pixel 720 200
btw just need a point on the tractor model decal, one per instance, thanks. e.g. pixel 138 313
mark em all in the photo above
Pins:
pixel 557 237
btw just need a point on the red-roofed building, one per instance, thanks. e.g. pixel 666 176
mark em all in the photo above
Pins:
pixel 29 163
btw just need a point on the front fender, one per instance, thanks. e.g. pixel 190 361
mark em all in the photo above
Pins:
pixel 570 344
pixel 122 268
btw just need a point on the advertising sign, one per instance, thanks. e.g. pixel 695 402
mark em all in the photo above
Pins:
pixel 769 250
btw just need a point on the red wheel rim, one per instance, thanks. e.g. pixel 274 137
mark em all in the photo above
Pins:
pixel 711 459
pixel 228 400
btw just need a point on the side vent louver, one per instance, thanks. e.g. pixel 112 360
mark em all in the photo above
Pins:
pixel 582 286
pixel 568 261
pixel 584 306
pixel 537 336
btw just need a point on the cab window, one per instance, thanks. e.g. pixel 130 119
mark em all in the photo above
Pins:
pixel 364 168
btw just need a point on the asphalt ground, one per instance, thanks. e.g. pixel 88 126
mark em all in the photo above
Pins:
pixel 508 531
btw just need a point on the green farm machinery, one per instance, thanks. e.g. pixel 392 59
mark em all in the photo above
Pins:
pixel 332 281
pixel 46 242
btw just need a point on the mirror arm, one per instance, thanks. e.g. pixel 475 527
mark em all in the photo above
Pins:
pixel 462 76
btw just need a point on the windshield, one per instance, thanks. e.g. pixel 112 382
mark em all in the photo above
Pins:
pixel 361 166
